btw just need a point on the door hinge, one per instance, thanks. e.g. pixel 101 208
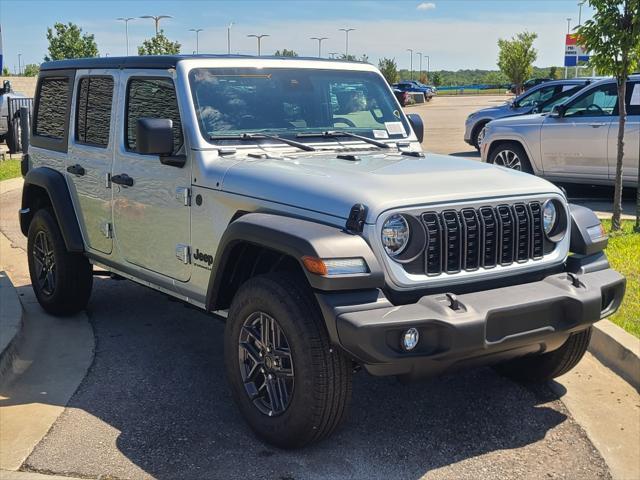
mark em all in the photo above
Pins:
pixel 183 194
pixel 183 253
pixel 107 180
pixel 107 229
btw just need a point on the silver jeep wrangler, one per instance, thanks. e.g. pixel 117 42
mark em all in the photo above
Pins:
pixel 292 198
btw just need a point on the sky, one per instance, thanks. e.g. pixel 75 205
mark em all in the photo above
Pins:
pixel 455 34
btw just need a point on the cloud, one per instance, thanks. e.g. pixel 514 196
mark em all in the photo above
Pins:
pixel 426 6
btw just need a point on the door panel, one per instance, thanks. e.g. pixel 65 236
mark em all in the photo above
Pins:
pixel 90 156
pixel 150 218
pixel 575 146
pixel 631 138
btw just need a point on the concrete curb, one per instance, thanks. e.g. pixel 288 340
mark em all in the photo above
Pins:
pixel 11 325
pixel 618 350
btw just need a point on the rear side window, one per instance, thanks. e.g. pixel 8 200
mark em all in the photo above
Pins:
pixel 633 98
pixel 51 112
pixel 93 114
pixel 152 98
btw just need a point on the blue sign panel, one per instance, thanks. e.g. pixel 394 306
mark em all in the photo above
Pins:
pixel 570 60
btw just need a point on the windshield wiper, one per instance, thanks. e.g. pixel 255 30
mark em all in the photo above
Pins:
pixel 334 134
pixel 258 136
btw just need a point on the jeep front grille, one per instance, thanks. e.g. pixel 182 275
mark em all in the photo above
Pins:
pixel 470 238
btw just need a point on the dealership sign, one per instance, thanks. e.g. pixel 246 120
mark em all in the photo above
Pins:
pixel 573 51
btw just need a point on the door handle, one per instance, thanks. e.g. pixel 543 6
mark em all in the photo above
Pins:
pixel 122 179
pixel 597 125
pixel 76 170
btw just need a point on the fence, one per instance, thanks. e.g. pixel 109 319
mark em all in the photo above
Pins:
pixel 475 89
pixel 16 107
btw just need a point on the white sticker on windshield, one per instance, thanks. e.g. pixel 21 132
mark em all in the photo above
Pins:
pixel 635 95
pixel 395 128
pixel 380 134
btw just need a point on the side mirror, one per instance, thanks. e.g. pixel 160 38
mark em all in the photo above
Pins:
pixel 154 136
pixel 558 111
pixel 416 124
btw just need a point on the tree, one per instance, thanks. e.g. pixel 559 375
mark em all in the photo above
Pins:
pixel 436 78
pixel 31 70
pixel 389 69
pixel 285 53
pixel 6 72
pixel 554 74
pixel 350 57
pixel 364 58
pixel 159 45
pixel 68 41
pixel 495 78
pixel 423 78
pixel 516 57
pixel 613 38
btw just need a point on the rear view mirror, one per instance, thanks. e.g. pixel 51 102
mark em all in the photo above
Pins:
pixel 154 136
pixel 416 124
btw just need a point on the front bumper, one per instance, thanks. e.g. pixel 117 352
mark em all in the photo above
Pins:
pixel 486 327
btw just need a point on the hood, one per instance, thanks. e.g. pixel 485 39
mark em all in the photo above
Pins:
pixel 531 119
pixel 326 184
pixel 495 111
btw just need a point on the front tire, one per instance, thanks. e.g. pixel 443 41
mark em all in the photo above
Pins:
pixel 62 281
pixel 545 367
pixel 292 387
pixel 511 155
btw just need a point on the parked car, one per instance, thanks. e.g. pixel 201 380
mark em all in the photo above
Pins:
pixel 538 97
pixel 575 142
pixel 529 84
pixel 402 96
pixel 321 234
pixel 9 128
pixel 414 86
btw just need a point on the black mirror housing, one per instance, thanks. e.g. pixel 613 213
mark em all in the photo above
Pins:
pixel 558 111
pixel 154 136
pixel 416 124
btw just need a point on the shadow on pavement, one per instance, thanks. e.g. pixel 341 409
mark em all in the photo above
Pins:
pixel 158 380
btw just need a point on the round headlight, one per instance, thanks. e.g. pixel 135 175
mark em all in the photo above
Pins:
pixel 395 235
pixel 549 217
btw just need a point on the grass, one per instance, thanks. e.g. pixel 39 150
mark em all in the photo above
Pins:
pixel 624 256
pixel 9 169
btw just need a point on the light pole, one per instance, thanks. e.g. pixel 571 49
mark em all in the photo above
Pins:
pixel 411 54
pixel 126 21
pixel 229 38
pixel 197 30
pixel 420 71
pixel 19 67
pixel 259 37
pixel 568 25
pixel 319 39
pixel 428 65
pixel 346 41
pixel 156 19
pixel 580 4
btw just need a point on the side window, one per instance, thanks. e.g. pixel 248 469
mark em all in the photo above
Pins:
pixel 538 96
pixel 559 98
pixel 597 102
pixel 93 113
pixel 633 98
pixel 52 107
pixel 152 98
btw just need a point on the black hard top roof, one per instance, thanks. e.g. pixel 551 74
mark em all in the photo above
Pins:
pixel 150 61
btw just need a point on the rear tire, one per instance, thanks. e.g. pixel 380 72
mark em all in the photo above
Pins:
pixel 545 367
pixel 318 390
pixel 62 281
pixel 511 155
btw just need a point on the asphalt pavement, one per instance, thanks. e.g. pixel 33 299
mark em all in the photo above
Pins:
pixel 155 404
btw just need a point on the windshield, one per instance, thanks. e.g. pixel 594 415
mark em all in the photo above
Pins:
pixel 235 101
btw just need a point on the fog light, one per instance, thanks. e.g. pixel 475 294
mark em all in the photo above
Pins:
pixel 410 339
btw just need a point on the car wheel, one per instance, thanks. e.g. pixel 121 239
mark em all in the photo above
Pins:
pixel 13 136
pixel 511 155
pixel 291 386
pixel 62 281
pixel 478 135
pixel 541 368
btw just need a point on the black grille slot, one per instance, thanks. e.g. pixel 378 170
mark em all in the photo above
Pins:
pixel 490 234
pixel 433 254
pixel 507 234
pixel 452 241
pixel 523 227
pixel 537 234
pixel 472 240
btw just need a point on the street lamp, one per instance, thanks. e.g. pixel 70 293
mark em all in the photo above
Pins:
pixel 156 19
pixel 420 71
pixel 19 67
pixel 126 21
pixel 229 38
pixel 197 30
pixel 568 25
pixel 319 39
pixel 580 4
pixel 428 65
pixel 346 45
pixel 411 53
pixel 259 37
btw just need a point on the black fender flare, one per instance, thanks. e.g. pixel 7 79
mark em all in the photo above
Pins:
pixel 297 238
pixel 53 182
pixel 582 220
